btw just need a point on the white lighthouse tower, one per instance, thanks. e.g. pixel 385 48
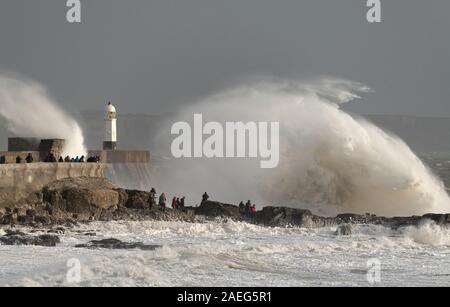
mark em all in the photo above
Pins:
pixel 110 139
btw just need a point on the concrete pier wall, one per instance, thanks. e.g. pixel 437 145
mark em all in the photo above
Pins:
pixel 17 181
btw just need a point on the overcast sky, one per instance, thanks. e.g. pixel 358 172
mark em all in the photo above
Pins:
pixel 150 56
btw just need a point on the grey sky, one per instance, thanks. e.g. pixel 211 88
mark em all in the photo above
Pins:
pixel 149 56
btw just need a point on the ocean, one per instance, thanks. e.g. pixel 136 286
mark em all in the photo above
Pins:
pixel 228 253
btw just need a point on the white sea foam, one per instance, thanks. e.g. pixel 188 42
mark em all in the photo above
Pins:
pixel 235 254
pixel 31 112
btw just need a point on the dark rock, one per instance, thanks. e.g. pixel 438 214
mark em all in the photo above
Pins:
pixel 9 219
pixel 282 216
pixel 25 219
pixel 344 230
pixel 19 238
pixel 83 196
pixel 217 209
pixel 138 199
pixel 117 244
pixel 31 213
pixel 58 230
pixel 44 220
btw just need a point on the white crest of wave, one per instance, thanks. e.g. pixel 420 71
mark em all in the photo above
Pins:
pixel 330 161
pixel 429 233
pixel 30 112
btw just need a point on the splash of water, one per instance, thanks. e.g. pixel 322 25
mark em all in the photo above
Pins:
pixel 330 161
pixel 30 112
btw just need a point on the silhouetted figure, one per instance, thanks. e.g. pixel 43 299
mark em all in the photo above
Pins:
pixel 29 158
pixel 18 160
pixel 77 159
pixel 67 159
pixel 182 201
pixel 61 160
pixel 91 159
pixel 248 207
pixel 82 159
pixel 152 200
pixel 205 197
pixel 72 160
pixel 2 160
pixel 162 202
pixel 51 158
pixel 241 208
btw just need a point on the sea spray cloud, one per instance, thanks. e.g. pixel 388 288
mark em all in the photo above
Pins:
pixel 231 140
pixel 329 161
pixel 30 112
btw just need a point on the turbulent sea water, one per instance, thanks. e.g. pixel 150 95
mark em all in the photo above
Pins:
pixel 226 253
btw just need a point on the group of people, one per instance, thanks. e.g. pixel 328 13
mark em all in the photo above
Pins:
pixel 247 209
pixel 161 201
pixel 51 158
pixel 178 203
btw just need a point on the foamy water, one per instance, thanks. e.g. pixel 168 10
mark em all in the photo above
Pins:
pixel 236 254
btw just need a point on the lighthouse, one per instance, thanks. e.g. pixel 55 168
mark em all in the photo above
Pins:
pixel 110 139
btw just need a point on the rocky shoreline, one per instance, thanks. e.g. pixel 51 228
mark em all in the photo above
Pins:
pixel 65 203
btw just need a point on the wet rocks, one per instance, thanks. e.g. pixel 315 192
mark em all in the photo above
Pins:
pixel 112 243
pixel 20 238
pixel 282 216
pixel 82 196
pixel 344 230
pixel 137 199
pixel 217 209
pixel 85 199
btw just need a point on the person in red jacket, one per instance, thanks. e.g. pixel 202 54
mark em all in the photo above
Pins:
pixel 174 203
pixel 253 209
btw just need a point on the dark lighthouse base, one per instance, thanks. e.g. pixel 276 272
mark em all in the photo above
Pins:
pixel 109 145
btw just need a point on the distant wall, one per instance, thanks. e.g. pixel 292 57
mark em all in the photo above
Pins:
pixel 122 156
pixel 11 156
pixel 23 144
pixel 19 145
pixel 17 181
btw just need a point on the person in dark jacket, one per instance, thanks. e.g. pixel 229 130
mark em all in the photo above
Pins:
pixel 248 208
pixel 241 208
pixel 2 160
pixel 52 158
pixel 162 202
pixel 29 158
pixel 67 159
pixel 182 201
pixel 205 197
pixel 18 160
pixel 61 160
pixel 152 199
